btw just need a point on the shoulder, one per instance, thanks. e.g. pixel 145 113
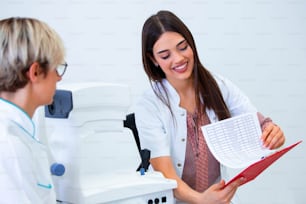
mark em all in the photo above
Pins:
pixel 5 126
pixel 150 104
pixel 149 96
pixel 225 85
pixel 221 80
pixel 236 100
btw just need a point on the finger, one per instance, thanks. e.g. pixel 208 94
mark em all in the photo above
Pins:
pixel 274 136
pixel 219 186
pixel 278 140
pixel 266 132
pixel 234 185
pixel 230 195
pixel 231 189
pixel 271 135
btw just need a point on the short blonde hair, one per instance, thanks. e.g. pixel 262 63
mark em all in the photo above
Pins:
pixel 24 41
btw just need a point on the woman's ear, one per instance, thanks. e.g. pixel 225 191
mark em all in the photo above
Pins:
pixel 34 71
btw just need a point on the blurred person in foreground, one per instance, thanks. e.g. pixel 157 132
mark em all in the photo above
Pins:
pixel 31 63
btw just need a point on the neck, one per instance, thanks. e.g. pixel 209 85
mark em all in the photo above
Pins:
pixel 182 86
pixel 186 92
pixel 20 98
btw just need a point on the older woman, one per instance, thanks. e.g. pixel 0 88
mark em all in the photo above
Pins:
pixel 31 63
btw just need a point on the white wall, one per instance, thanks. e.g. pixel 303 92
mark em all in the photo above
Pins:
pixel 258 44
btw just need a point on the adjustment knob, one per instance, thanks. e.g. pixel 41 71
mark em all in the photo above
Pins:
pixel 57 169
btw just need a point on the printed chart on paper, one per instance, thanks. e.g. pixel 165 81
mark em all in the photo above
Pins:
pixel 236 142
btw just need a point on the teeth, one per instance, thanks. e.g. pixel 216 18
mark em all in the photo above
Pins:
pixel 180 67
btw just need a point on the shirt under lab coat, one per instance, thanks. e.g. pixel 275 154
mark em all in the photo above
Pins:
pixel 24 168
pixel 163 137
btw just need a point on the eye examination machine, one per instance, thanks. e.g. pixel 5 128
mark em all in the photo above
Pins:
pixel 93 156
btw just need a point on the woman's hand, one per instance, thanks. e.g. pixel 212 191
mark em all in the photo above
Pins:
pixel 217 194
pixel 272 136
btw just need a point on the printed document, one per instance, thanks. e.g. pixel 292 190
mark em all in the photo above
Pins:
pixel 236 142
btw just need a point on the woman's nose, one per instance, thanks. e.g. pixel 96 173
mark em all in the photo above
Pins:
pixel 178 57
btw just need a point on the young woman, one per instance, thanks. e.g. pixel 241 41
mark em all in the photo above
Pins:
pixel 184 97
pixel 31 63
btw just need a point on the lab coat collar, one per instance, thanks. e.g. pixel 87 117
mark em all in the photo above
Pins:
pixel 18 116
pixel 172 93
pixel 175 100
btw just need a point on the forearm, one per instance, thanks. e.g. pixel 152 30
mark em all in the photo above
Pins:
pixel 183 192
pixel 186 194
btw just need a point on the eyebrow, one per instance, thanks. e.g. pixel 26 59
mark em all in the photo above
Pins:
pixel 181 42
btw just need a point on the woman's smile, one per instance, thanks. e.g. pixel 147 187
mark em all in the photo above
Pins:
pixel 181 68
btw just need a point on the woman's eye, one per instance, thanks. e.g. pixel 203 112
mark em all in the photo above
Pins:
pixel 165 57
pixel 183 47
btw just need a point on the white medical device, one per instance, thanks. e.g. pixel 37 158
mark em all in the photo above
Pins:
pixel 94 157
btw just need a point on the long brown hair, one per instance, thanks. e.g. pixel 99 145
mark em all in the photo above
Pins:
pixel 205 85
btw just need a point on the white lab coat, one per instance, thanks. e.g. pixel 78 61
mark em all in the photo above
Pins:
pixel 24 169
pixel 162 137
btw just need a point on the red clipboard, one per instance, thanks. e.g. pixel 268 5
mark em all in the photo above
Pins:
pixel 252 171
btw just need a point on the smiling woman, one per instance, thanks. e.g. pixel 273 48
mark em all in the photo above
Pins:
pixel 31 57
pixel 174 56
pixel 184 97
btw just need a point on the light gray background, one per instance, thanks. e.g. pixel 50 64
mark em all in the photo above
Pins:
pixel 260 45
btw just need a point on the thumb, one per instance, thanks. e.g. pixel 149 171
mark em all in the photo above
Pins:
pixel 219 186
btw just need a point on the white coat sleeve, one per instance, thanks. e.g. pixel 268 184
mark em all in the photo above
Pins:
pixel 150 120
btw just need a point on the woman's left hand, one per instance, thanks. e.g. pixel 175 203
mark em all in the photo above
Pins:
pixel 272 136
